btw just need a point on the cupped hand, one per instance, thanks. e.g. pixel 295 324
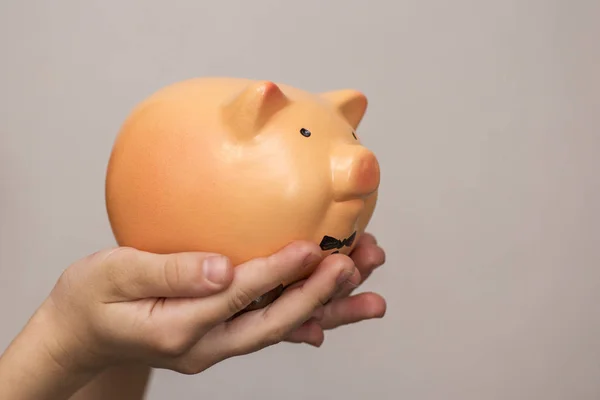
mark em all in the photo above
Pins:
pixel 174 311
pixel 345 308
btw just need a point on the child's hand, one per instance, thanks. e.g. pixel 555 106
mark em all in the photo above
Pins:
pixel 170 311
pixel 166 311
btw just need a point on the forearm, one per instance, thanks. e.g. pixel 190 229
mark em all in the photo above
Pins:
pixel 128 382
pixel 30 369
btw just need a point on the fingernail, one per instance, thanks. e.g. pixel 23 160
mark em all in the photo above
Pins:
pixel 344 276
pixel 216 269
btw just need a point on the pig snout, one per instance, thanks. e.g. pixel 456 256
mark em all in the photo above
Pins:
pixel 355 173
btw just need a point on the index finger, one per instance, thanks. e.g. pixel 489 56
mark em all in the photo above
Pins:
pixel 258 276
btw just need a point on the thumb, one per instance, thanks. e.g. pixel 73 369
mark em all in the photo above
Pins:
pixel 130 274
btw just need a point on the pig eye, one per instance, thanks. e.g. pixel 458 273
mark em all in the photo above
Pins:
pixel 354 135
pixel 305 132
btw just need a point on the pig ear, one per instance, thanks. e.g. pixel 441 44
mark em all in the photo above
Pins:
pixel 248 111
pixel 352 104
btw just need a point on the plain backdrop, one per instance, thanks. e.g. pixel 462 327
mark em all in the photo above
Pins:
pixel 484 116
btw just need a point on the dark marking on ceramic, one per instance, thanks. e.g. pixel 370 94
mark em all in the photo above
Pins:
pixel 331 243
pixel 305 132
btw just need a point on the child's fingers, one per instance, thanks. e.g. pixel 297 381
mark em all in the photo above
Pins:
pixel 367 257
pixel 352 309
pixel 130 274
pixel 310 332
pixel 261 328
pixel 176 325
pixel 252 280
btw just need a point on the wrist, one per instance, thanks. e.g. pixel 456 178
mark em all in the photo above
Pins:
pixel 41 363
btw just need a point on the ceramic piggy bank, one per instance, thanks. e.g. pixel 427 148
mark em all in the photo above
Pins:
pixel 241 168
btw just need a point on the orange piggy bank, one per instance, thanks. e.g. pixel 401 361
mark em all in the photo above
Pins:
pixel 242 168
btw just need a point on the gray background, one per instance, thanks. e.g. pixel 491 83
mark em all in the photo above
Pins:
pixel 484 116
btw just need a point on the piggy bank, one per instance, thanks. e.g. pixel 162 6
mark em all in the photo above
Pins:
pixel 242 168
